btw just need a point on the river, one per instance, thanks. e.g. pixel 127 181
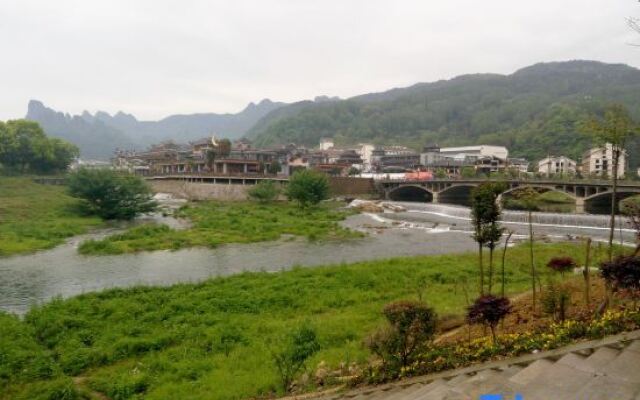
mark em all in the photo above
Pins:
pixel 422 229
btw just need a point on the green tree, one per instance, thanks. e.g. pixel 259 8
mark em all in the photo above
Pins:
pixel 528 198
pixel 308 187
pixel 264 192
pixel 111 195
pixel 485 213
pixel 274 167
pixel 24 147
pixel 296 348
pixel 617 129
pixel 220 150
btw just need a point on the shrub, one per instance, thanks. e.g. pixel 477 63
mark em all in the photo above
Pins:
pixel 489 310
pixel 264 192
pixel 295 350
pixel 555 301
pixel 111 195
pixel 308 187
pixel 411 327
pixel 623 273
pixel 562 264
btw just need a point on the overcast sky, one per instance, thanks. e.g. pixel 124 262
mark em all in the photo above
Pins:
pixel 153 58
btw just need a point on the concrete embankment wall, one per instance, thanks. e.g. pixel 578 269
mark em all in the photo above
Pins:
pixel 200 191
pixel 339 186
pixel 344 186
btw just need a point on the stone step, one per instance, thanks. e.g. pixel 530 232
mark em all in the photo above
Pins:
pixel 608 388
pixel 531 371
pixel 408 392
pixel 572 360
pixel 477 384
pixel 597 361
pixel 560 380
pixel 385 394
pixel 625 366
pixel 456 380
pixel 431 389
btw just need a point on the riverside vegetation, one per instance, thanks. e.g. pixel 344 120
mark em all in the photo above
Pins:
pixel 35 217
pixel 215 223
pixel 215 339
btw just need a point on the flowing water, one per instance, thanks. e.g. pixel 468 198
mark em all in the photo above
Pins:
pixel 420 230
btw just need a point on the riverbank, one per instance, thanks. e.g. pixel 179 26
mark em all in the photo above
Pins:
pixel 36 217
pixel 214 223
pixel 213 339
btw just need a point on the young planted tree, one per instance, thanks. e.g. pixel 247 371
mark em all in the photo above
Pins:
pixel 489 310
pixel 615 129
pixel 561 264
pixel 411 328
pixel 308 187
pixel 296 348
pixel 504 258
pixel 485 213
pixel 528 197
pixel 111 195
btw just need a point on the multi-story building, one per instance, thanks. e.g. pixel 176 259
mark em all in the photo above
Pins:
pixel 476 151
pixel 598 161
pixel 557 165
pixel 395 157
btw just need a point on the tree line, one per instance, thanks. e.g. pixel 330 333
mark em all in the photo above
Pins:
pixel 25 148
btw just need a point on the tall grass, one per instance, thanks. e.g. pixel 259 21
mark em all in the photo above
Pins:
pixel 216 223
pixel 159 343
pixel 35 216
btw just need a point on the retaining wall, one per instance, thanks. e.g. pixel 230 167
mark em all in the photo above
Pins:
pixel 200 191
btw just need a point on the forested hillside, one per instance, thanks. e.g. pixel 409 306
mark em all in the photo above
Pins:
pixel 535 111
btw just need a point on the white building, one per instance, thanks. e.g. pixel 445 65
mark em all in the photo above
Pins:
pixel 326 144
pixel 366 150
pixel 599 161
pixel 557 165
pixel 484 150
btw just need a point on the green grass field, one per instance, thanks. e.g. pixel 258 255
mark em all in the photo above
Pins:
pixel 216 223
pixel 160 343
pixel 35 216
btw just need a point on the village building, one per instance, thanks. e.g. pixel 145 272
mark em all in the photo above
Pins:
pixel 557 165
pixel 598 161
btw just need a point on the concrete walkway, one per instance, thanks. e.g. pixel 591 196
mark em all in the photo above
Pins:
pixel 607 369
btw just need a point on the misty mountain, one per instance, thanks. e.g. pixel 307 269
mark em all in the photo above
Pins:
pixel 534 112
pixel 98 135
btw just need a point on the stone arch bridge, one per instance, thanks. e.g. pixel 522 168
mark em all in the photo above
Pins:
pixel 588 195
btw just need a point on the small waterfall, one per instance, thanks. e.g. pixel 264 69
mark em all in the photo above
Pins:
pixel 521 217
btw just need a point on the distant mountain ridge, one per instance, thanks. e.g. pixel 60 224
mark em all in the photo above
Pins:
pixel 98 135
pixel 535 111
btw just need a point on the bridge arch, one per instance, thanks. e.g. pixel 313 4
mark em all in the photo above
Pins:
pixel 411 193
pixel 459 194
pixel 600 203
pixel 541 188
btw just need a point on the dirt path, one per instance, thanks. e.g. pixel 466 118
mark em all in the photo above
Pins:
pixel 80 382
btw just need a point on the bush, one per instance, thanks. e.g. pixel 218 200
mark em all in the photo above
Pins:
pixel 111 195
pixel 562 264
pixel 296 348
pixel 308 187
pixel 411 327
pixel 623 273
pixel 264 192
pixel 555 301
pixel 489 310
